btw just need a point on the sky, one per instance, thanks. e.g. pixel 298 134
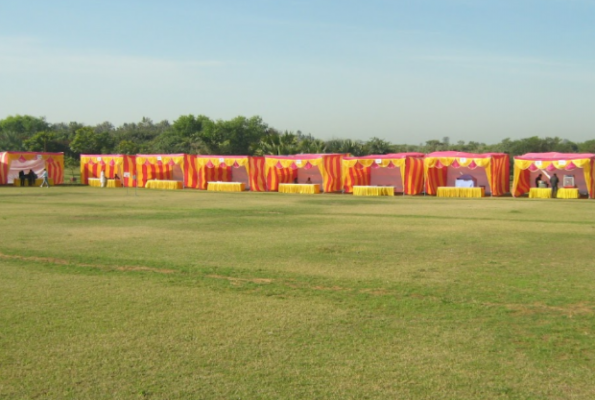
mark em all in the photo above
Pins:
pixel 403 71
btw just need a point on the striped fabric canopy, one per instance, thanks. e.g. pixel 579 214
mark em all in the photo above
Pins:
pixel 562 163
pixel 122 165
pixel 496 165
pixel 283 169
pixel 219 169
pixel 163 167
pixel 359 170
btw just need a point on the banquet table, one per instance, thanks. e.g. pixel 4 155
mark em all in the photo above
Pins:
pixel 373 190
pixel 540 193
pixel 110 183
pixel 17 182
pixel 448 191
pixel 164 184
pixel 226 186
pixel 301 188
pixel 567 193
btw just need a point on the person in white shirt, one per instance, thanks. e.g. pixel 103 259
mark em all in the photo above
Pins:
pixel 44 176
pixel 102 179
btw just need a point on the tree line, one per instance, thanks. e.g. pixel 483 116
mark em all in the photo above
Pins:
pixel 238 136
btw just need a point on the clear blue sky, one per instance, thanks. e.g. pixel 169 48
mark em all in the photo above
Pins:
pixel 404 71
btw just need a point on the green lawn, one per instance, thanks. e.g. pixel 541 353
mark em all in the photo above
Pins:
pixel 197 295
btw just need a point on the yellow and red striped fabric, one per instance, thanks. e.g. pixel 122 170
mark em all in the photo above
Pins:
pixel 496 165
pixel 54 163
pixel 435 177
pixel 280 174
pixel 414 175
pixel 190 171
pixel 359 175
pixel 357 170
pixel 283 169
pixel 257 176
pixel 219 168
pixel 111 164
pixel 159 166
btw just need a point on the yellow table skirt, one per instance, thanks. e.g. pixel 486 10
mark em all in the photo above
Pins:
pixel 570 193
pixel 17 182
pixel 110 183
pixel 168 185
pixel 540 193
pixel 373 191
pixel 299 188
pixel 226 186
pixel 447 191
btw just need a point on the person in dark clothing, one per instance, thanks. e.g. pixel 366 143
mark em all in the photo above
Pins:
pixel 22 177
pixel 539 180
pixel 31 177
pixel 554 182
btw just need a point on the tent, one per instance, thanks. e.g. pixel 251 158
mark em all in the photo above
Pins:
pixel 528 166
pixel 404 171
pixel 246 169
pixel 166 167
pixel 324 169
pixel 12 162
pixel 490 170
pixel 122 165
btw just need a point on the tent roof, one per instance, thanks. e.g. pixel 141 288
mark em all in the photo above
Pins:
pixel 554 156
pixel 386 156
pixel 34 152
pixel 108 155
pixel 304 156
pixel 161 155
pixel 459 154
pixel 216 156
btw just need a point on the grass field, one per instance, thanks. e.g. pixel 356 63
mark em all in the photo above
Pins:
pixel 196 295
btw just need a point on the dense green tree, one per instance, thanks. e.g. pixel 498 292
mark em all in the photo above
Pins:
pixel 43 141
pixel 23 124
pixel 86 141
pixel 278 144
pixel 377 146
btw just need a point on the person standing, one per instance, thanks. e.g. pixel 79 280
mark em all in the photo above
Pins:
pixel 31 176
pixel 22 177
pixel 102 179
pixel 554 183
pixel 44 176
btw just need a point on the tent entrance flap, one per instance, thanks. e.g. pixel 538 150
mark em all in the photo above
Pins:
pixel 18 165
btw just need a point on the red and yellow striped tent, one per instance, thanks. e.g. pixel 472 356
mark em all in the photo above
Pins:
pixel 11 162
pixel 364 171
pixel 285 169
pixel 246 169
pixel 178 167
pixel 122 165
pixel 526 168
pixel 491 169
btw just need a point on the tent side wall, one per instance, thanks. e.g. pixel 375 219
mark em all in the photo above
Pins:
pixel 4 166
pixel 414 175
pixel 331 172
pixel 500 175
pixel 190 171
pixel 257 174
